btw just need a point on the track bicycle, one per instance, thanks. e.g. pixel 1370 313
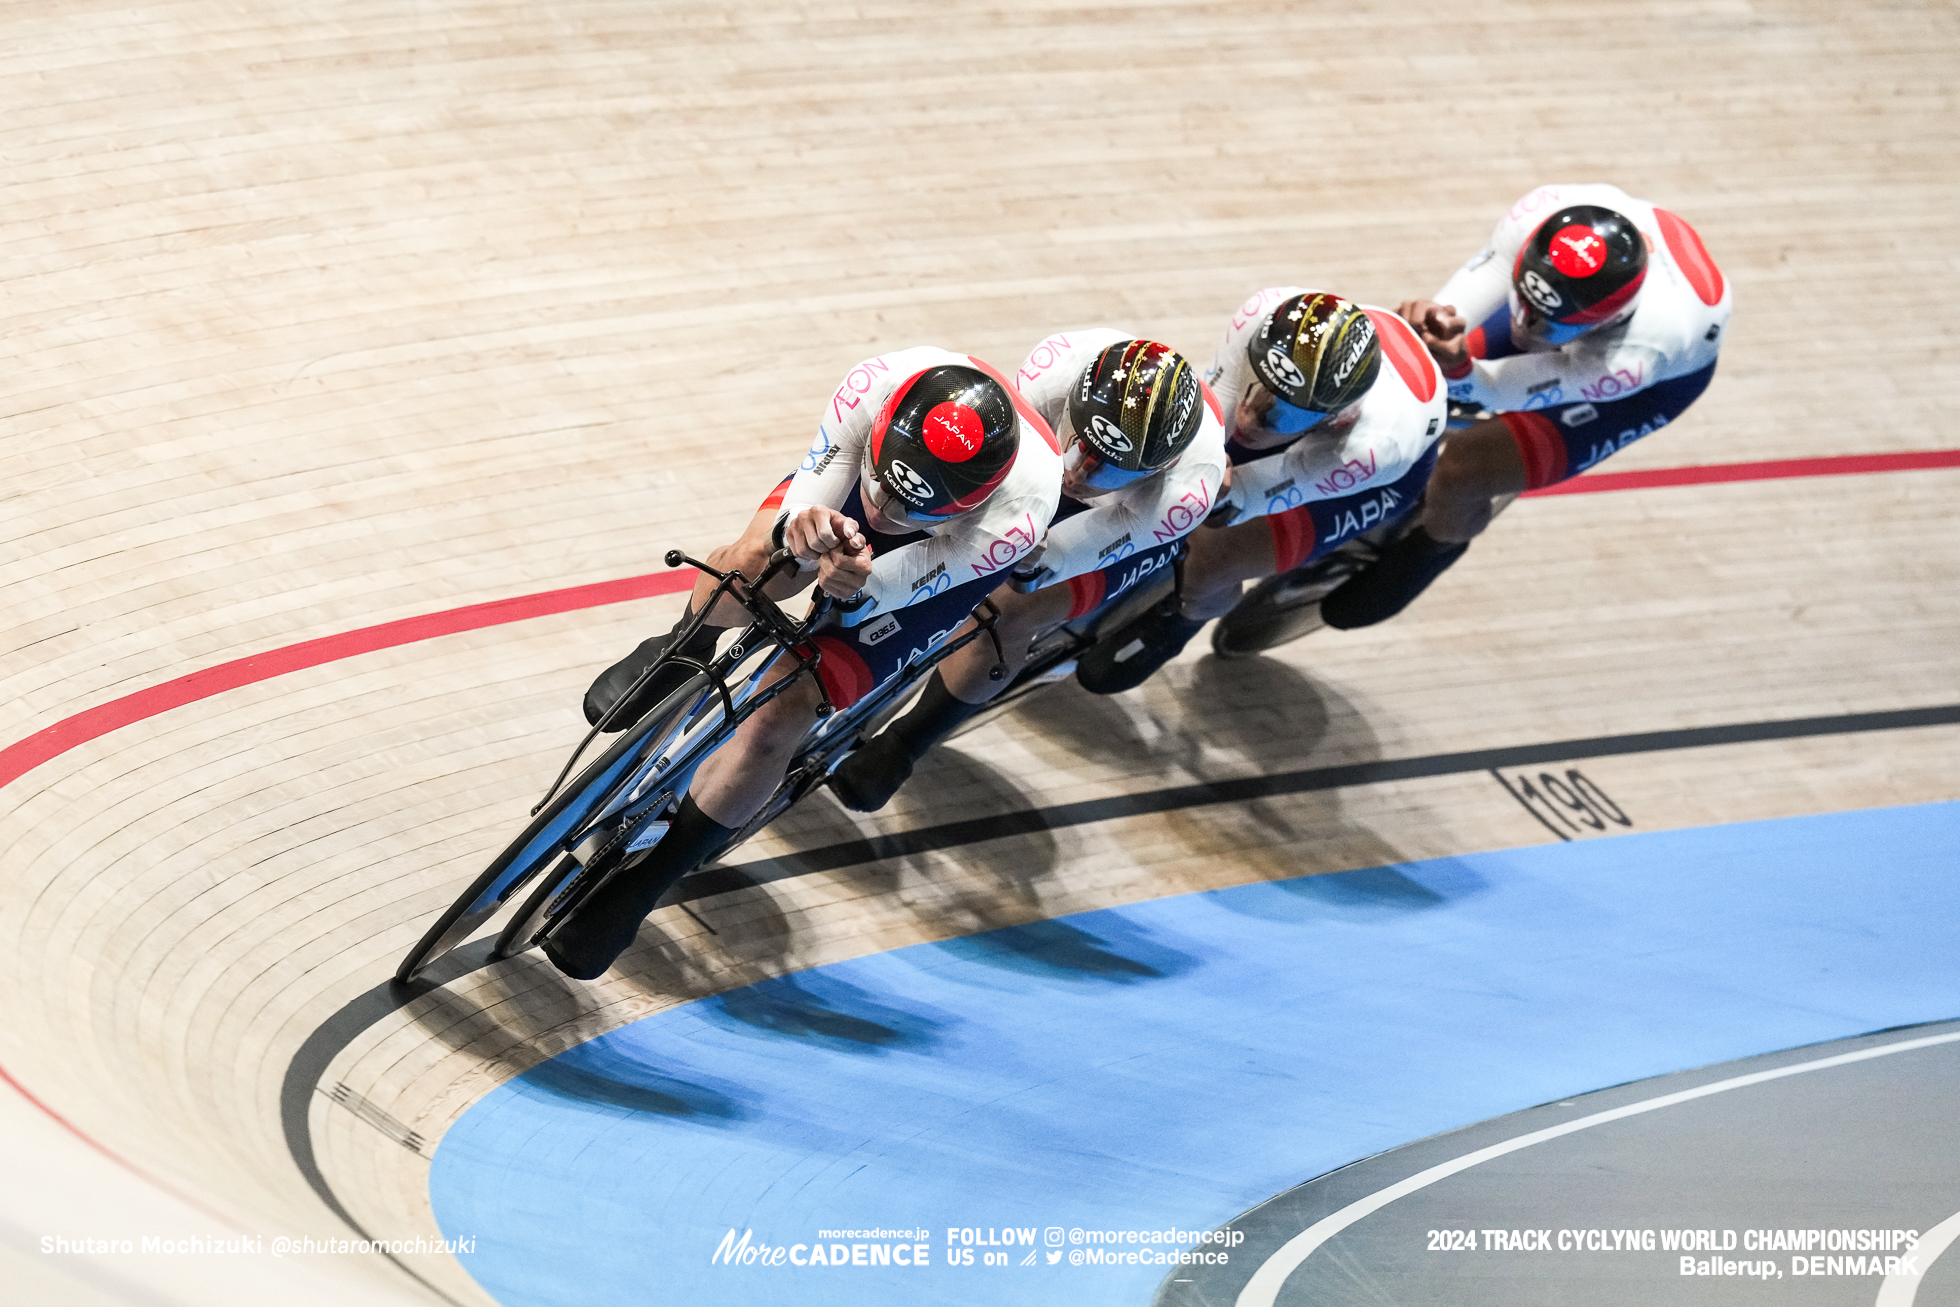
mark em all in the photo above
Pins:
pixel 617 809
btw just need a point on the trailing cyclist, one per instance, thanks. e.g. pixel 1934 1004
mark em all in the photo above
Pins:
pixel 1142 463
pixel 929 480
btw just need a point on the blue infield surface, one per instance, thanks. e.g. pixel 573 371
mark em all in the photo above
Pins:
pixel 926 1117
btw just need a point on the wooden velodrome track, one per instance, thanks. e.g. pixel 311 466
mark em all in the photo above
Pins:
pixel 317 323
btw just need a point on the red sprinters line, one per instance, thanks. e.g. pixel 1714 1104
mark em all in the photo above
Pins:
pixel 87 725
pixel 25 755
pixel 1842 465
pixel 123 1162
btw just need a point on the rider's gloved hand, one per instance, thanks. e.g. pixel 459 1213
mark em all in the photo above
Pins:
pixel 1441 328
pixel 810 533
pixel 843 571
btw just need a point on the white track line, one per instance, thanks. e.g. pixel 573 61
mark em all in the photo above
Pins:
pixel 1899 1290
pixel 1262 1290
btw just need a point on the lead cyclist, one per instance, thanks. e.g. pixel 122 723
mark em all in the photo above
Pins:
pixel 929 480
pixel 1589 320
pixel 1143 460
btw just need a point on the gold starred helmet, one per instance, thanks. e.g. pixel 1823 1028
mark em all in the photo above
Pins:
pixel 1134 410
pixel 1316 352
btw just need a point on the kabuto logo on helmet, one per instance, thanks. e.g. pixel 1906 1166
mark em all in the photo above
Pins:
pixel 1108 436
pixel 907 484
pixel 1284 369
pixel 1540 292
pixel 1364 337
pixel 1183 400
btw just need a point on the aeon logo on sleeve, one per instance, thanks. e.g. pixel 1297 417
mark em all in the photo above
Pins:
pixel 1018 539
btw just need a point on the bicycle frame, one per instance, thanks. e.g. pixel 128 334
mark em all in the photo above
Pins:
pixel 624 824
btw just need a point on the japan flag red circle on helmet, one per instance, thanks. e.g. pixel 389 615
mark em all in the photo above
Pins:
pixel 953 431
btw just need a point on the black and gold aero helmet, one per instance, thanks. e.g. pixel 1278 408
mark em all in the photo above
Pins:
pixel 1317 353
pixel 1131 413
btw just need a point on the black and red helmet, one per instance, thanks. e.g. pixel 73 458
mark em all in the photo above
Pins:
pixel 1317 353
pixel 1131 413
pixel 942 443
pixel 1581 269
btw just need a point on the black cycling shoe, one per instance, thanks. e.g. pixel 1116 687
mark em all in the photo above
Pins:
pixel 1379 592
pixel 1279 609
pixel 1132 655
pixel 593 935
pixel 587 954
pixel 615 681
pixel 866 781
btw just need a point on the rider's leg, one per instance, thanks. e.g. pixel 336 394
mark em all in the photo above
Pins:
pixel 1503 456
pixel 744 772
pixel 1021 617
pixel 1477 464
pixel 749 554
pixel 728 789
pixel 958 688
pixel 1220 561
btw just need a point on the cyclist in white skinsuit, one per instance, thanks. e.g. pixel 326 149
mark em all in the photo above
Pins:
pixel 1143 461
pixel 1589 320
pixel 1334 411
pixel 928 481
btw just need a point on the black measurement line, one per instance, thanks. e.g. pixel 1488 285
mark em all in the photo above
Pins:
pixel 1028 821
pixel 309 1064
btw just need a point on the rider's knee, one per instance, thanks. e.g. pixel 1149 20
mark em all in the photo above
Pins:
pixel 1022 616
pixel 1450 509
pixel 745 555
pixel 782 722
pixel 1221 559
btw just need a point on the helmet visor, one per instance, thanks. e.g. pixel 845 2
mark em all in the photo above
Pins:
pixel 1083 465
pixel 1278 416
pixel 1530 322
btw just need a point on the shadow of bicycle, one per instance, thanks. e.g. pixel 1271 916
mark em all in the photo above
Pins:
pixel 1212 721
pixel 965 854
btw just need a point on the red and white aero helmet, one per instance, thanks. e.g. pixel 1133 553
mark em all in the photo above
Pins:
pixel 942 443
pixel 1581 269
